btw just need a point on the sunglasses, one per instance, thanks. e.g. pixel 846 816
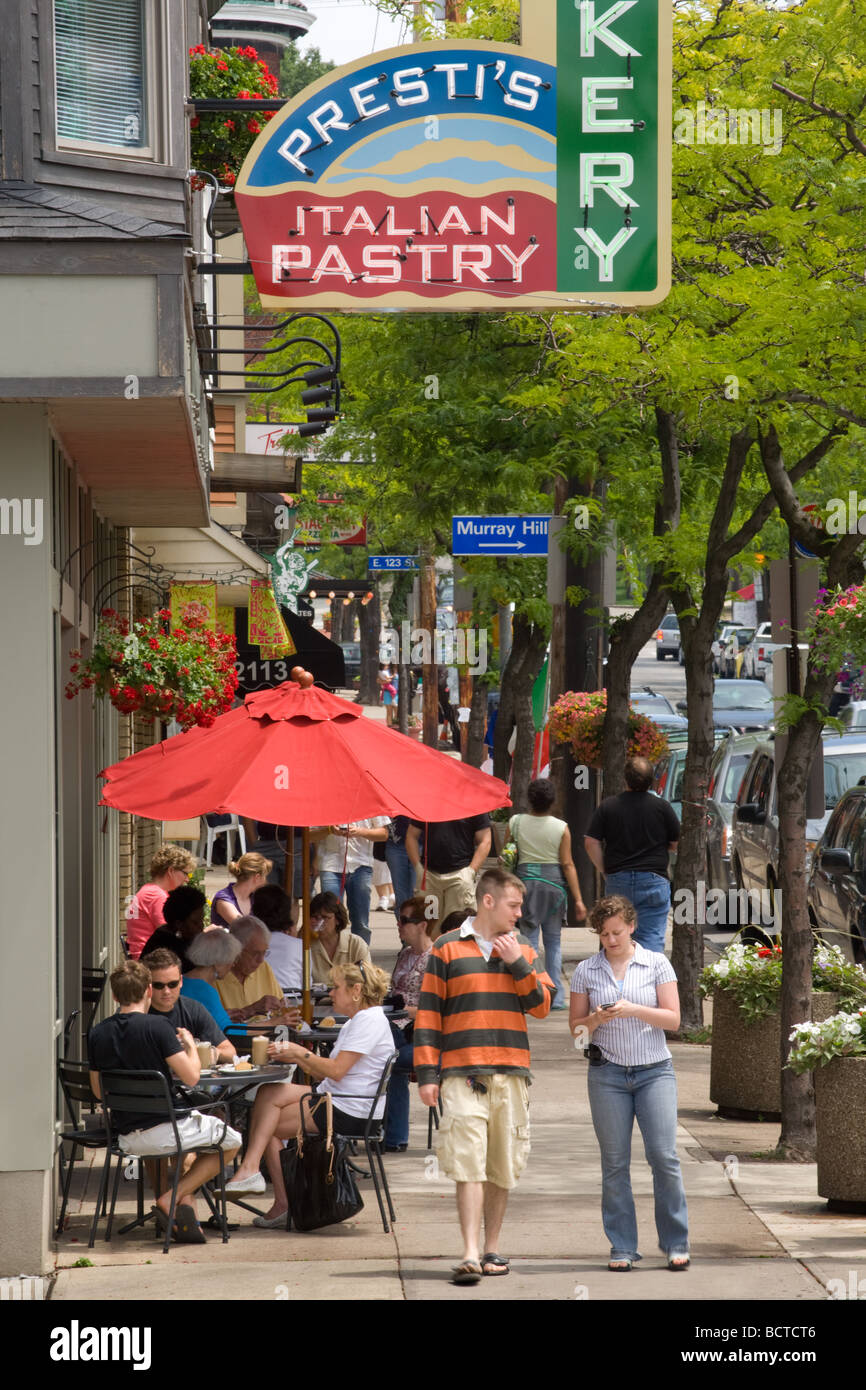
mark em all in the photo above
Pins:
pixel 409 922
pixel 165 984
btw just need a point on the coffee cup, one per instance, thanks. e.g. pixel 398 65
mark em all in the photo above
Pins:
pixel 205 1055
pixel 260 1051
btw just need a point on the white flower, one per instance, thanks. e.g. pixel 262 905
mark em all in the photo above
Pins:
pixel 722 969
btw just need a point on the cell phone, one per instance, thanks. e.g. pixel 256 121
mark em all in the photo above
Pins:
pixel 610 1006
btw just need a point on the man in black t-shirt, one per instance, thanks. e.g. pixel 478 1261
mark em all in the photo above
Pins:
pixel 135 1040
pixel 454 852
pixel 177 1010
pixel 629 839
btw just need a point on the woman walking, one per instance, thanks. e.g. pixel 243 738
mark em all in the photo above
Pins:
pixel 545 865
pixel 625 997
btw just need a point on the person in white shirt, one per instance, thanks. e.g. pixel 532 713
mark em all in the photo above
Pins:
pixel 285 955
pixel 349 848
pixel 351 1074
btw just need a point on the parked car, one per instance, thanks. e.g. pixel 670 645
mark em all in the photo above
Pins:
pixel 658 708
pixel 668 637
pixel 755 830
pixel 740 705
pixel 732 640
pixel 758 656
pixel 836 891
pixel 352 660
pixel 727 770
pixel 669 774
pixel 853 715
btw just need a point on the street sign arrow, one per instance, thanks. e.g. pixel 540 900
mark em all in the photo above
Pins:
pixel 521 536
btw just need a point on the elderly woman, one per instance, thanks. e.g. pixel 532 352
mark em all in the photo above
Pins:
pixel 624 998
pixel 273 906
pixel 210 956
pixel 332 944
pixel 169 868
pixel 250 986
pixel 417 933
pixel 250 872
pixel 351 1075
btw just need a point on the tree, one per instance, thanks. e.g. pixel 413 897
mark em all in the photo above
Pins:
pixel 299 70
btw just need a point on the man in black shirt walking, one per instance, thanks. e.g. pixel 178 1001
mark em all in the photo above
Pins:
pixel 629 840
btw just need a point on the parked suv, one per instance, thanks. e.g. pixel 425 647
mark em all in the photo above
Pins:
pixel 668 637
pixel 755 836
pixel 836 892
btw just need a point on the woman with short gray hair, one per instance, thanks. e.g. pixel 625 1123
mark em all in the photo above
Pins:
pixel 211 955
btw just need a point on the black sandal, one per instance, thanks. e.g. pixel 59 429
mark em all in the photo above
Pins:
pixel 500 1266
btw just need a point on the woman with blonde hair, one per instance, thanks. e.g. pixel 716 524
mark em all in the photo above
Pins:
pixel 351 1075
pixel 250 872
pixel 169 868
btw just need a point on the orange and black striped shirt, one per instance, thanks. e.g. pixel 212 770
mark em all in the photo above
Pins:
pixel 472 1012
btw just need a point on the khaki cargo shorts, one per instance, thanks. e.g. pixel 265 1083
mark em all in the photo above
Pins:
pixel 484 1137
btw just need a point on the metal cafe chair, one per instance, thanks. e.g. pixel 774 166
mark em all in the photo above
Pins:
pixel 74 1078
pixel 373 1139
pixel 92 985
pixel 148 1093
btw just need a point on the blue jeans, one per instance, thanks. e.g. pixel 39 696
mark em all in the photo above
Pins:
pixel 397 1119
pixel 358 885
pixel 552 938
pixel 651 896
pixel 617 1097
pixel 402 874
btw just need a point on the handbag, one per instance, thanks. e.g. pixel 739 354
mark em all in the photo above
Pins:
pixel 320 1185
pixel 510 854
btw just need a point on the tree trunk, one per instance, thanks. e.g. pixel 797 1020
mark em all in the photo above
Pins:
pixel 476 749
pixel 628 635
pixel 515 708
pixel 369 618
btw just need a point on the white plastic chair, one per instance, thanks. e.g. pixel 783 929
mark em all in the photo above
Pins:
pixel 210 832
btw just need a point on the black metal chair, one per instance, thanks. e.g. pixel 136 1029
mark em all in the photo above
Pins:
pixel 74 1078
pixel 148 1093
pixel 92 985
pixel 374 1138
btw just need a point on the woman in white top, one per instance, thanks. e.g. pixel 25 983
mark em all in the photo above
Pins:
pixel 351 1074
pixel 347 851
pixel 545 865
pixel 624 998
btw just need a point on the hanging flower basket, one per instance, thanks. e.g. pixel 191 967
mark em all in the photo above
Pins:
pixel 221 140
pixel 837 633
pixel 578 718
pixel 188 674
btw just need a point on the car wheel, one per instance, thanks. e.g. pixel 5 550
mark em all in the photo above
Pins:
pixel 660 656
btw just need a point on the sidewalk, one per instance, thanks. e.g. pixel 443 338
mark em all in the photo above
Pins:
pixel 759 1230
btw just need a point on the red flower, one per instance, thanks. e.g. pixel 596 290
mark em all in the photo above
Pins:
pixel 253 127
pixel 195 123
pixel 153 644
pixel 223 67
pixel 229 125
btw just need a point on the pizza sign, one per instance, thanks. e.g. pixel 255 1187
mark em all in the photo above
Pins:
pixel 479 176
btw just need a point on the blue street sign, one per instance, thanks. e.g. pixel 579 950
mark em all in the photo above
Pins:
pixel 499 535
pixel 392 562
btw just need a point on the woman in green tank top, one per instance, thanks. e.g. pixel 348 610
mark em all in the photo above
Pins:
pixel 545 865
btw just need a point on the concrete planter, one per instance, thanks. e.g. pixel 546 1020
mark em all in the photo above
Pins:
pixel 745 1065
pixel 840 1103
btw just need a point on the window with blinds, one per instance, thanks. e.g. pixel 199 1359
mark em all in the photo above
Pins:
pixel 103 74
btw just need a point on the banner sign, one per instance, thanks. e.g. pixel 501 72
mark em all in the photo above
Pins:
pixel 200 599
pixel 473 176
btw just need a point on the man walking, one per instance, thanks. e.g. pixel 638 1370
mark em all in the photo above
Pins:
pixel 472 1048
pixel 453 854
pixel 629 839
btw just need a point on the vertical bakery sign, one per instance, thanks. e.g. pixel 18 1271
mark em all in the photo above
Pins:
pixel 474 176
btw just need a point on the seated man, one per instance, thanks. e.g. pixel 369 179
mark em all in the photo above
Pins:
pixel 250 987
pixel 135 1040
pixel 183 911
pixel 177 1009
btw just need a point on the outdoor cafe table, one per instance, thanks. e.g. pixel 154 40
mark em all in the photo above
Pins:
pixel 232 1086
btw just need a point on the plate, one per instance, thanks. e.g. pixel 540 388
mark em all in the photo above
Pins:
pixel 228 1070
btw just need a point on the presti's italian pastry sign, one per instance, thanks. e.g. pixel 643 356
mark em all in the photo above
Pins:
pixel 455 176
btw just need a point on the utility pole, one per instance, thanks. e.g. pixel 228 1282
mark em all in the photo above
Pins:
pixel 430 674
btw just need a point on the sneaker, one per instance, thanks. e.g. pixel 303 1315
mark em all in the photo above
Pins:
pixel 254 1184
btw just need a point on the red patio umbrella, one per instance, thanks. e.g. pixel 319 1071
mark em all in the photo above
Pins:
pixel 297 755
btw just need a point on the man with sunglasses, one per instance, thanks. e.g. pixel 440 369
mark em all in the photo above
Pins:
pixel 177 1009
pixel 415 930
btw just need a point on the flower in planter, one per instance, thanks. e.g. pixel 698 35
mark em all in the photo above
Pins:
pixel 188 674
pixel 577 718
pixel 753 975
pixel 837 633
pixel 219 142
pixel 816 1044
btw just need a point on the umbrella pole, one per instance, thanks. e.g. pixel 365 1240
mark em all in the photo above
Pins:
pixel 306 1007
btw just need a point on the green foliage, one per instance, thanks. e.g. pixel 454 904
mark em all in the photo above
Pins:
pixel 299 70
